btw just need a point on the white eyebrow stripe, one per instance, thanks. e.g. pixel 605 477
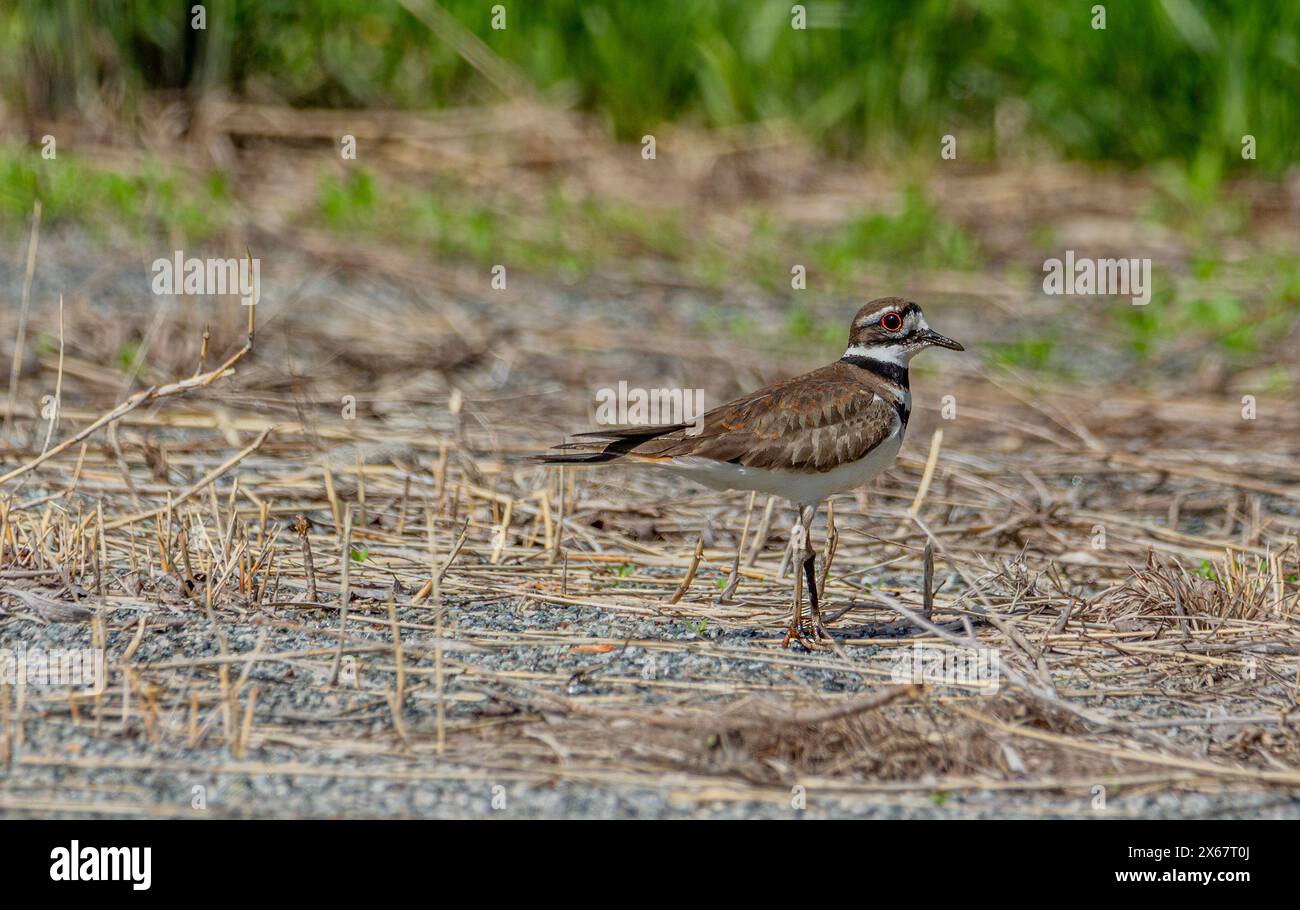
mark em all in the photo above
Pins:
pixel 867 320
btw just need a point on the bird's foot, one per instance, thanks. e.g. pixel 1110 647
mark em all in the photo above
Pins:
pixel 820 620
pixel 811 629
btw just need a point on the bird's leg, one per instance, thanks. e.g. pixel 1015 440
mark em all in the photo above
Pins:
pixel 798 546
pixel 805 555
pixel 814 611
pixel 810 572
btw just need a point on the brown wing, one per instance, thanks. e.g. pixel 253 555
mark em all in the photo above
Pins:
pixel 813 423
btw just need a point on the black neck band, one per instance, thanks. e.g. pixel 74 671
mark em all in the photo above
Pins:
pixel 890 372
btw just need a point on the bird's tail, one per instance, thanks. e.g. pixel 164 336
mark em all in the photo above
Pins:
pixel 606 445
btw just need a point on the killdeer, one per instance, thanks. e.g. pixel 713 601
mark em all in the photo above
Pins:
pixel 802 439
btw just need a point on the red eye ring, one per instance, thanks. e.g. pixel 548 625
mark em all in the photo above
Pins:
pixel 891 322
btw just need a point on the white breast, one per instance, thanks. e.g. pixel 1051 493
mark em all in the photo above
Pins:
pixel 798 487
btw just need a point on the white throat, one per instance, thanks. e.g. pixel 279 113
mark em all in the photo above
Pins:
pixel 897 354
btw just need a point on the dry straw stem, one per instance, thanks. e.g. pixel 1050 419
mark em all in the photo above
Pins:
pixel 150 395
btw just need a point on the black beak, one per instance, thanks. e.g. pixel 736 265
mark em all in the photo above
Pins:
pixel 929 336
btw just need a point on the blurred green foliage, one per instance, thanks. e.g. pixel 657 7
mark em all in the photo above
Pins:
pixel 1182 80
pixel 1200 309
pixel 917 236
pixel 150 200
pixel 585 234
pixel 1032 352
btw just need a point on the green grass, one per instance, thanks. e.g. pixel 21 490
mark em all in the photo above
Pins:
pixel 1190 199
pixel 576 237
pixel 917 236
pixel 1239 327
pixel 1219 319
pixel 128 356
pixel 1176 80
pixel 1032 352
pixel 154 200
pixel 803 325
pixel 350 202
pixel 569 237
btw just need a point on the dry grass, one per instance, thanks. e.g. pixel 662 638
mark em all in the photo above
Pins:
pixel 1165 656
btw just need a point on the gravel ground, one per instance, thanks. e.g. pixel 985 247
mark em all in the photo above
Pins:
pixel 67 770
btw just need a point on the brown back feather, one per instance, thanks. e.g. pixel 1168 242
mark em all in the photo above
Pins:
pixel 811 423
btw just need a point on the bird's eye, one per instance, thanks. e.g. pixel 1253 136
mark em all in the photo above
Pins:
pixel 891 322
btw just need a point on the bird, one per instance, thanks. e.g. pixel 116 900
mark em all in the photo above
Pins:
pixel 803 439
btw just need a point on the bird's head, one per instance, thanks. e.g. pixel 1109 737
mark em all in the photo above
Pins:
pixel 893 330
